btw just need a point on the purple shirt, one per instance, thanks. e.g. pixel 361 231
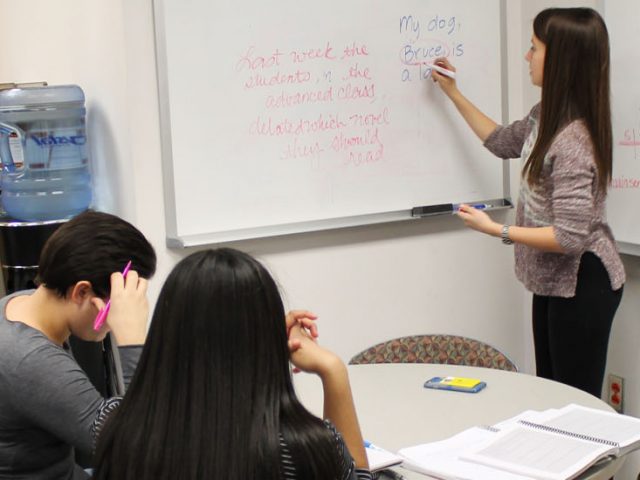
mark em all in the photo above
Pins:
pixel 567 198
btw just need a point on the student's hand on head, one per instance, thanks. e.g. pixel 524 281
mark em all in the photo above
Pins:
pixel 129 311
pixel 477 219
pixel 308 356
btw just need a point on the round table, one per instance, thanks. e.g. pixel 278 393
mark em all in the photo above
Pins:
pixel 396 411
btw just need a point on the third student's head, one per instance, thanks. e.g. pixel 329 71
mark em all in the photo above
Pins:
pixel 220 311
pixel 77 261
pixel 570 52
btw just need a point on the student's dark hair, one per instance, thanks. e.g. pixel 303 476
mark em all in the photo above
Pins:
pixel 575 85
pixel 91 246
pixel 213 391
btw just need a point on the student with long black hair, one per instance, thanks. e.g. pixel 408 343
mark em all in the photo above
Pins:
pixel 565 252
pixel 212 396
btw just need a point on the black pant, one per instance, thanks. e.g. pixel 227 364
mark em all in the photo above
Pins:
pixel 571 335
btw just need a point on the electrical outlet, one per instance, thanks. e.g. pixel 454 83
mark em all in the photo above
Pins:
pixel 616 392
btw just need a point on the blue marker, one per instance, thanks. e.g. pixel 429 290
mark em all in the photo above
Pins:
pixel 479 206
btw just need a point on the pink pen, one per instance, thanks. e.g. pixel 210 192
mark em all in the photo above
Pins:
pixel 104 311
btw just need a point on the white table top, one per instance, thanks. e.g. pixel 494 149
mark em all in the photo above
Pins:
pixel 396 411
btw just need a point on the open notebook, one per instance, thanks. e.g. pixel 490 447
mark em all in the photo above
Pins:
pixel 551 445
pixel 442 459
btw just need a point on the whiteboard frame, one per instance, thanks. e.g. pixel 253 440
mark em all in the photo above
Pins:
pixel 628 248
pixel 625 247
pixel 175 240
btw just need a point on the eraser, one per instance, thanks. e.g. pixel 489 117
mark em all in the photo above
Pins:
pixel 432 209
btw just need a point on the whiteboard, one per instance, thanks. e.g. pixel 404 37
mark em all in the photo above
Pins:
pixel 623 23
pixel 292 116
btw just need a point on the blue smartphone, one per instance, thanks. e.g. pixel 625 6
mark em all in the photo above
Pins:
pixel 457 384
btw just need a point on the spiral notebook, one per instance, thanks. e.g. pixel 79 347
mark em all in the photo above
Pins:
pixel 561 446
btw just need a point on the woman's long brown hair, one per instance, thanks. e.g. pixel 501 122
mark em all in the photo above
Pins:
pixel 575 85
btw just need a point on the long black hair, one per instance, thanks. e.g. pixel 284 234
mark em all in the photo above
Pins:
pixel 212 392
pixel 575 85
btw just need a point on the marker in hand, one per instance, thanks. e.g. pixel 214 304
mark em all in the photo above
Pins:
pixel 442 70
pixel 104 311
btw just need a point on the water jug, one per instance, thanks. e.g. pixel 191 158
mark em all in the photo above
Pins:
pixel 44 154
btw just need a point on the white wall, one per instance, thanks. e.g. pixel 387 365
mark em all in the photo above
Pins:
pixel 624 354
pixel 366 283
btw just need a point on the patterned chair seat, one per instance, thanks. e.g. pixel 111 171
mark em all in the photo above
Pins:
pixel 452 349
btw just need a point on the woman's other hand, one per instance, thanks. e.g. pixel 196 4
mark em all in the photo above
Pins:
pixel 477 219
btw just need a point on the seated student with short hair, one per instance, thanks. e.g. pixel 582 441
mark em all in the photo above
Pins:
pixel 212 397
pixel 48 406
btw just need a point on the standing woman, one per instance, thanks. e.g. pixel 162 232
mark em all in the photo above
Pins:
pixel 212 397
pixel 565 252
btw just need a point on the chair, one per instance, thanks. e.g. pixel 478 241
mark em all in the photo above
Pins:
pixel 451 349
pixel 101 362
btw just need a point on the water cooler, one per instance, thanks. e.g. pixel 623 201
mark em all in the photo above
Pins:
pixel 44 181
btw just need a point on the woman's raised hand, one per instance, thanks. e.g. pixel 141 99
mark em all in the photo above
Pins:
pixel 447 84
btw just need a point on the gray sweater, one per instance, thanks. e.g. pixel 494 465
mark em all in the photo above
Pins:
pixel 47 403
pixel 567 198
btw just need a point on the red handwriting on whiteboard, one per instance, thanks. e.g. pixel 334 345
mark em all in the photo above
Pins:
pixel 355 71
pixel 362 149
pixel 370 119
pixel 278 127
pixel 623 182
pixel 357 159
pixel 631 139
pixel 348 142
pixel 287 83
pixel 258 79
pixel 354 50
pixel 350 91
pixel 325 53
pixel 283 99
pixel 297 149
pixel 253 62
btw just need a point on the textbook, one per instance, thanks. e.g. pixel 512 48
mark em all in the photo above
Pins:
pixel 561 446
pixel 556 444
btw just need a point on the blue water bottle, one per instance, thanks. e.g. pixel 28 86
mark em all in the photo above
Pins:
pixel 44 154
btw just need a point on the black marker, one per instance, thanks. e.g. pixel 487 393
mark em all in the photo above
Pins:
pixel 479 206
